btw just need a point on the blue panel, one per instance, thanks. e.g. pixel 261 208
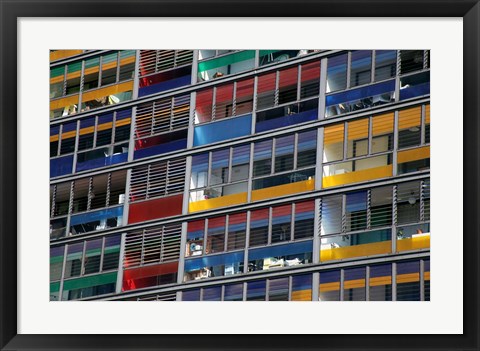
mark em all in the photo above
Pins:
pixel 164 86
pixel 212 261
pixel 286 121
pixel 96 215
pixel 416 90
pixel 280 250
pixel 102 162
pixel 61 166
pixel 160 149
pixel 222 130
pixel 304 215
pixel 361 93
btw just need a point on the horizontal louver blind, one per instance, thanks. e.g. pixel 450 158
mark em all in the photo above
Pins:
pixel 162 115
pixel 153 245
pixel 157 179
pixel 153 61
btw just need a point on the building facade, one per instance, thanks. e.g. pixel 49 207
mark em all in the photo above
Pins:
pixel 240 175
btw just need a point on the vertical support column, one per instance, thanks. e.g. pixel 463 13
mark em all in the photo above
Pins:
pixel 323 88
pixel 136 75
pixel 257 58
pixel 367 283
pixel 194 67
pixel 342 285
pixel 70 208
pixel 118 288
pixel 250 173
pixel 349 64
pixel 422 280
pixel 316 231
pixel 319 159
pixel 395 143
pixel 394 281
pixel 186 189
pixel 315 286
pixel 191 121
pixel 247 240
pixel 267 289
pixel 126 199
pixel 374 55
pixel 290 279
pixel 394 219
pixel 181 261
pixel 397 78
pixel 244 296
pixel 82 81
pixel 422 127
pixel 62 276
pixel 254 111
pixel 75 156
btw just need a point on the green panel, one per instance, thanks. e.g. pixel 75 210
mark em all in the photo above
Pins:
pixel 57 71
pixel 86 282
pixel 56 259
pixel 109 58
pixel 94 252
pixel 126 53
pixel 54 287
pixel 92 62
pixel 226 60
pixel 74 67
pixel 267 52
pixel 75 256
pixel 112 249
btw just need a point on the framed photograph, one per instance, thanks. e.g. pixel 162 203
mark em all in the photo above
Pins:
pixel 251 175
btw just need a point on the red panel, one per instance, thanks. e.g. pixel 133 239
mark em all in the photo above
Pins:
pixel 266 82
pixel 196 226
pixel 216 222
pixel 288 77
pixel 203 105
pixel 306 206
pixel 157 208
pixel 237 218
pixel 311 71
pixel 146 276
pixel 259 214
pixel 279 211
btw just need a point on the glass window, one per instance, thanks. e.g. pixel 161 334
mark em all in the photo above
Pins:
pixel 266 90
pixel 259 227
pixel 307 149
pixel 203 106
pixel 56 262
pixel 408 202
pixel 281 223
pixel 333 143
pixel 310 79
pixel 380 282
pixel 337 73
pixel 361 67
pixel 381 207
pixel 329 286
pixel 224 101
pixel 215 235
pixel 262 158
pixel 237 224
pixel 408 281
pixel 304 219
pixel 111 253
pixel 382 133
pixel 385 64
pixel 212 294
pixel 331 214
pixel 426 274
pixel 256 290
pixel 278 289
pixel 287 85
pixel 357 140
pixel 244 97
pixel 195 233
pixel 93 253
pixel 354 284
pixel 109 68
pixel 199 171
pixel 191 295
pixel 69 133
pixel 219 171
pixel 240 162
pixel 233 292
pixel 284 150
pixel 302 287
pixel 356 211
pixel 411 61
pixel 73 265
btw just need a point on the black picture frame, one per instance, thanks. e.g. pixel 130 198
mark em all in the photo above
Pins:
pixel 11 10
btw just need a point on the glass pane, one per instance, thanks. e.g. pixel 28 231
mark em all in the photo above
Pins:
pixel 203 106
pixel 408 281
pixel 408 202
pixel 233 292
pixel 111 253
pixel 56 262
pixel 199 171
pixel 307 149
pixel 333 143
pixel 382 133
pixel 385 64
pixel 411 61
pixel 69 132
pixel 244 97
pixel 381 207
pixel 92 256
pixel 331 222
pixel 224 101
pixel 356 211
pixel 73 265
pixel 310 79
pixel 237 224
pixel 278 289
pixel 266 90
pixel 354 284
pixel 357 144
pixel 212 294
pixel 287 85
pixel 302 287
pixel 191 295
pixel 337 73
pixel 381 282
pixel 240 162
pixel 304 219
pixel 262 158
pixel 195 234
pixel 281 223
pixel 85 140
pixel 329 286
pixel 259 227
pixel 215 235
pixel 220 160
pixel 256 290
pixel 98 195
pixel 361 67
pixel 284 148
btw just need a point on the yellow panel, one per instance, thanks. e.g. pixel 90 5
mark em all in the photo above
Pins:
pixel 54 138
pixel 427 114
pixel 377 281
pixel 73 75
pixel 122 122
pixel 67 101
pixel 426 275
pixel 421 242
pixel 68 135
pixel 281 190
pixel 87 130
pixel 353 284
pixel 408 278
pixel 358 176
pixel 409 117
pixel 127 60
pixel 339 253
pixel 358 129
pixel 56 79
pixel 90 70
pixel 330 286
pixel 99 93
pixel 222 201
pixel 59 54
pixel 302 295
pixel 105 126
pixel 333 134
pixel 414 154
pixel 382 124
